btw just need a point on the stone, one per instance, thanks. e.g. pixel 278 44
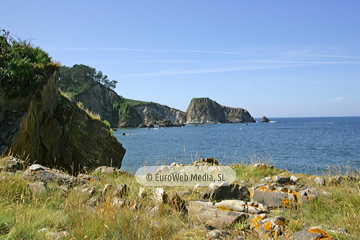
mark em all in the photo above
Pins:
pixel 212 216
pixel 153 211
pixel 274 197
pixel 283 180
pixel 268 227
pixel 12 164
pixel 319 181
pixel 159 196
pixel 294 178
pixel 43 230
pixel 94 201
pixel 88 178
pixel 207 162
pixel 88 190
pixel 143 192
pixel 177 203
pixel 118 202
pixel 1 117
pixel 105 170
pixel 262 166
pixel 228 191
pixel 120 190
pixel 106 189
pixel 217 234
pixel 241 206
pixel 38 172
pixel 38 188
pixel 311 233
pixel 57 235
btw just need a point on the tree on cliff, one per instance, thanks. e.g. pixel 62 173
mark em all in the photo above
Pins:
pixel 80 77
pixel 22 66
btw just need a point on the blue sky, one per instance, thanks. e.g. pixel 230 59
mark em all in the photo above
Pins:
pixel 273 58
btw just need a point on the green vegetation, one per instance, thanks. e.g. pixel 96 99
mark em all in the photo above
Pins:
pixel 135 103
pixel 91 114
pixel 23 67
pixel 124 110
pixel 78 78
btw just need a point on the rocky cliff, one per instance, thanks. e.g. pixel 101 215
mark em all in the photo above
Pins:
pixel 52 130
pixel 110 106
pixel 205 110
pixel 154 113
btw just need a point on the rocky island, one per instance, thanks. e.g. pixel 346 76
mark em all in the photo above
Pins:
pixel 205 110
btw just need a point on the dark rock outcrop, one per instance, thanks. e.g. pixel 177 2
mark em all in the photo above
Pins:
pixel 53 131
pixel 205 110
pixel 265 119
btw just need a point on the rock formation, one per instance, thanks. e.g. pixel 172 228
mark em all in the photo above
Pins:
pixel 119 113
pixel 265 119
pixel 52 130
pixel 110 106
pixel 205 110
pixel 157 113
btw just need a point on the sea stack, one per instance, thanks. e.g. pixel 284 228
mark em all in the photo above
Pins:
pixel 205 110
pixel 265 119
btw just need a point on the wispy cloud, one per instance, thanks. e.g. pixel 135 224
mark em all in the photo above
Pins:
pixel 339 98
pixel 217 70
pixel 116 49
pixel 224 61
pixel 330 56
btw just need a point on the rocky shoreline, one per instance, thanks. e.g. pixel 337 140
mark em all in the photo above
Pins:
pixel 240 210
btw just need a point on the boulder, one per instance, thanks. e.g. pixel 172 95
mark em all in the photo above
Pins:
pixel 37 172
pixel 311 233
pixel 224 190
pixel 241 206
pixel 268 227
pixel 12 164
pixel 213 216
pixel 274 197
pixel 105 170
pixel 319 181
pixel 217 234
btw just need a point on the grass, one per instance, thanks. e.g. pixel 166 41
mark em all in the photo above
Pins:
pixel 93 115
pixel 23 213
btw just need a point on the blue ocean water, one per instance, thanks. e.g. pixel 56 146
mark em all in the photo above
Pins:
pixel 300 145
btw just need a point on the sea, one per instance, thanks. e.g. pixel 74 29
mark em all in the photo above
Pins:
pixel 315 145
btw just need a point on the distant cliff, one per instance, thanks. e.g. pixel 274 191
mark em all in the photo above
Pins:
pixel 52 130
pixel 205 110
pixel 121 112
pixel 110 106
pixel 154 113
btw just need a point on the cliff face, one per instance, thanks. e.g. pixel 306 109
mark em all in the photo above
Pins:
pixel 54 131
pixel 205 110
pixel 110 106
pixel 154 113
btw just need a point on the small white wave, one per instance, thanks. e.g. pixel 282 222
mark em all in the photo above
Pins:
pixel 272 121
